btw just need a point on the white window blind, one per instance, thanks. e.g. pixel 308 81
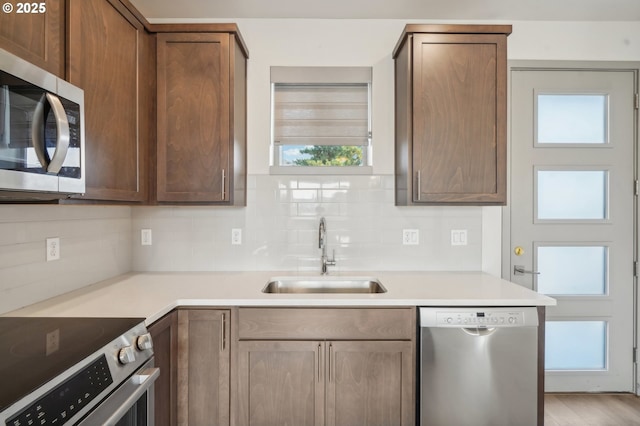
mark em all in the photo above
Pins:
pixel 321 116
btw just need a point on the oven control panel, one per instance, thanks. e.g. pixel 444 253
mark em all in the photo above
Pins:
pixel 67 399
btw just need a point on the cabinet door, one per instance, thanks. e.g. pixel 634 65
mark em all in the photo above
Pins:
pixel 281 383
pixel 203 367
pixel 193 117
pixel 164 333
pixel 459 118
pixel 36 37
pixel 108 56
pixel 370 383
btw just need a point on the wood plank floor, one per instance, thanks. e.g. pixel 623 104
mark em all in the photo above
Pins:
pixel 617 409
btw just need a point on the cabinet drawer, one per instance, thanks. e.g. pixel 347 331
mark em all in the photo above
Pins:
pixel 323 323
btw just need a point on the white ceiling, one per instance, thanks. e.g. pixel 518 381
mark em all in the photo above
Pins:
pixel 513 10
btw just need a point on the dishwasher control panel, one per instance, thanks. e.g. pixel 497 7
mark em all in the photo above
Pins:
pixel 478 317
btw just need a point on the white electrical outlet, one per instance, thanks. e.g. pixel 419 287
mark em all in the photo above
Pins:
pixel 146 237
pixel 458 237
pixel 52 343
pixel 53 249
pixel 236 236
pixel 410 237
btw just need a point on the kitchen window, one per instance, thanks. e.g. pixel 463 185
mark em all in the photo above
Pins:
pixel 321 120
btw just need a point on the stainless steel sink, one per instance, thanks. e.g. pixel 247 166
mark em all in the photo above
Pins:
pixel 324 284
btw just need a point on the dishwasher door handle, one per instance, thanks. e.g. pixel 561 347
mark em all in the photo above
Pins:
pixel 479 331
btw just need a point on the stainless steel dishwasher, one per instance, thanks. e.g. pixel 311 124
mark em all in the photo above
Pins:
pixel 478 366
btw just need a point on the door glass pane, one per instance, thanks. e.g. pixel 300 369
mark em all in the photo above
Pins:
pixel 573 119
pixel 572 270
pixel 579 194
pixel 575 345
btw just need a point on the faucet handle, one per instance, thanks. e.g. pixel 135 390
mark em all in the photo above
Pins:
pixel 332 261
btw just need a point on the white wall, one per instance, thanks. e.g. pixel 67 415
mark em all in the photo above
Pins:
pixel 95 244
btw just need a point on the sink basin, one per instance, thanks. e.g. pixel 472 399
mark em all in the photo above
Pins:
pixel 324 284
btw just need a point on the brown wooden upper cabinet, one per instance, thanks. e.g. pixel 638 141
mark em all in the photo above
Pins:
pixel 112 57
pixel 451 114
pixel 36 37
pixel 201 119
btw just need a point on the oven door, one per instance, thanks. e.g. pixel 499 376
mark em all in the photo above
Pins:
pixel 131 404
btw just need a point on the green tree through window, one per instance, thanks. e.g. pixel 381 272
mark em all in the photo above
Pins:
pixel 322 155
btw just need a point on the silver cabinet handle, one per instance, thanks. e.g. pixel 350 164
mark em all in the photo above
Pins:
pixel 224 178
pixel 54 164
pixel 419 185
pixel 318 361
pixel 330 360
pixel 519 270
pixel 223 336
pixel 5 116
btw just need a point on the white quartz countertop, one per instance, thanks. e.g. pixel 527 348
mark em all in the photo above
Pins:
pixel 150 295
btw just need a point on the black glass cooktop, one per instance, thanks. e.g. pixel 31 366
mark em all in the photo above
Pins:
pixel 35 350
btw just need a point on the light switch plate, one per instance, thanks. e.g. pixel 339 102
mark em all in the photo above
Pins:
pixel 458 237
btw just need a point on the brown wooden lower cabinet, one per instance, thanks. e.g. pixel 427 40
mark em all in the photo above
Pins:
pixel 370 383
pixel 280 376
pixel 325 382
pixel 280 383
pixel 164 333
pixel 203 367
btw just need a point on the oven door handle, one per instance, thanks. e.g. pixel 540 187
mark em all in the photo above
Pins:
pixel 111 410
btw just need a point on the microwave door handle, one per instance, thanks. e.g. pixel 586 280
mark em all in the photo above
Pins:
pixel 62 134
pixel 37 134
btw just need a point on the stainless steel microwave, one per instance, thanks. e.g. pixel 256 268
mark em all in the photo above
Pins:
pixel 41 133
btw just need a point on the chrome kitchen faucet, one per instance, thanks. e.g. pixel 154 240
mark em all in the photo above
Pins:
pixel 322 244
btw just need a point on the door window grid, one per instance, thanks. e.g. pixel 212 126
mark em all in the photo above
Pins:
pixel 582 307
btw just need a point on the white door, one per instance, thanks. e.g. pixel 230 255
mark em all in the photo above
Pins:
pixel 572 213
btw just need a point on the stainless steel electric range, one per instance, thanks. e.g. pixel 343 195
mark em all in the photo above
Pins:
pixel 76 371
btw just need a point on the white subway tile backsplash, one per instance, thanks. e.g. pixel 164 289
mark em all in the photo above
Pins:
pixel 280 229
pixel 302 195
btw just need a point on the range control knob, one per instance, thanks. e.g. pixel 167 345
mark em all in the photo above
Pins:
pixel 144 342
pixel 127 355
pixel 449 320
